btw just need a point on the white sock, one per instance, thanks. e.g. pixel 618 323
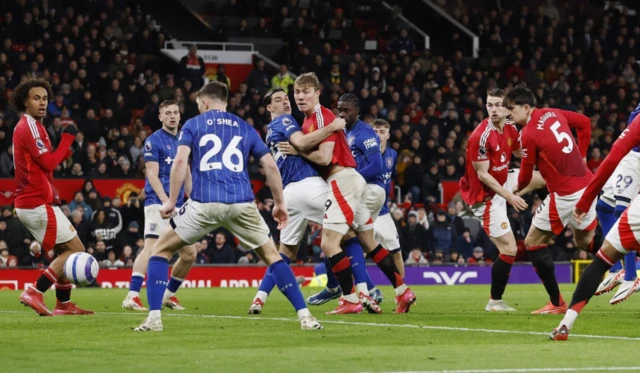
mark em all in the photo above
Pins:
pixel 133 294
pixel 333 290
pixel 303 313
pixel 373 290
pixel 168 294
pixel 262 296
pixel 155 314
pixel 569 318
pixel 362 288
pixel 353 298
pixel 401 289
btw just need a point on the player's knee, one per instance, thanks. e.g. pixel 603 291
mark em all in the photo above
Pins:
pixel 189 256
pixel 508 249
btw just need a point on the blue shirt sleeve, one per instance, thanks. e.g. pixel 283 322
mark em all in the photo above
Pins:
pixel 151 151
pixel 257 148
pixel 290 126
pixel 370 143
pixel 394 169
pixel 186 134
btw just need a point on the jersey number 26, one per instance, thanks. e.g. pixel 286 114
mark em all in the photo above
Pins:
pixel 227 156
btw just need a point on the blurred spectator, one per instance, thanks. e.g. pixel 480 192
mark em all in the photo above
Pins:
pixel 442 235
pixel 416 257
pixel 414 234
pixel 192 67
pixel 221 252
pixel 78 201
pixel 283 79
pixel 478 257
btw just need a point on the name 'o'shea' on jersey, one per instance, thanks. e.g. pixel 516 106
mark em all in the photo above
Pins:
pixel 364 143
pixel 628 140
pixel 34 186
pixel 221 144
pixel 161 147
pixel 487 144
pixel 292 168
pixel 341 153
pixel 547 142
pixel 389 160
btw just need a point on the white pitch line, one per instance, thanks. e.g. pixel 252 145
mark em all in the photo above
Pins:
pixel 359 323
pixel 523 370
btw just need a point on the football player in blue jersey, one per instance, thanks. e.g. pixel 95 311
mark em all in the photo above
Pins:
pixel 622 187
pixel 220 145
pixel 159 153
pixel 305 191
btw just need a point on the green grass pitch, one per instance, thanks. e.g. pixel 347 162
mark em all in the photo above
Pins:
pixel 447 329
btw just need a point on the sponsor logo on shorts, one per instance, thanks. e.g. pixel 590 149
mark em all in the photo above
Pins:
pixel 153 227
pixel 71 228
pixel 504 225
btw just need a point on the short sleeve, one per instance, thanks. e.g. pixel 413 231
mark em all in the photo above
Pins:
pixel 257 147
pixel 186 134
pixel 478 153
pixel 289 126
pixel 370 144
pixel 151 151
pixel 35 146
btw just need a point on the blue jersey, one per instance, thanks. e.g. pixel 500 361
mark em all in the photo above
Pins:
pixel 221 144
pixel 389 160
pixel 364 143
pixel 161 147
pixel 292 168
pixel 633 116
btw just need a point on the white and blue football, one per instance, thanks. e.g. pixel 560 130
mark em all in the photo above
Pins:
pixel 81 268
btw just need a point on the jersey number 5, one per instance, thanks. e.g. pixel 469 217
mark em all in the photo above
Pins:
pixel 227 156
pixel 561 136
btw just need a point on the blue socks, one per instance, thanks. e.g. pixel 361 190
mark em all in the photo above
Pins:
pixel 157 281
pixel 630 266
pixel 607 217
pixel 332 281
pixel 268 282
pixel 136 283
pixel 286 282
pixel 356 258
pixel 174 284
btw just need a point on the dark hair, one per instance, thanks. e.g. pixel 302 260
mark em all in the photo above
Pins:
pixel 215 90
pixel 21 93
pixel 166 103
pixel 519 95
pixel 381 123
pixel 350 97
pixel 267 97
pixel 496 92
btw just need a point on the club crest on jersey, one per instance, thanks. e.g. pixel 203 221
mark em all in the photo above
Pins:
pixel 509 142
pixel 169 147
pixel 350 140
pixel 40 144
pixel 147 146
pixel 389 162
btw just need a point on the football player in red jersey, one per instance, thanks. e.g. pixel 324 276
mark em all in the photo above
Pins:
pixel 621 239
pixel 37 199
pixel 486 188
pixel 546 141
pixel 346 210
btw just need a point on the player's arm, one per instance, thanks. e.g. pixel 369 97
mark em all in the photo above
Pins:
pixel 261 152
pixel 537 182
pixel 528 152
pixel 321 156
pixel 153 168
pixel 374 166
pixel 48 161
pixel 274 179
pixel 178 172
pixel 582 125
pixel 311 140
pixel 188 182
pixel 482 169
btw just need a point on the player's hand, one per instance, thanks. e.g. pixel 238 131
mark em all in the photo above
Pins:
pixel 167 210
pixel 286 148
pixel 70 129
pixel 280 215
pixel 518 203
pixel 578 215
pixel 338 124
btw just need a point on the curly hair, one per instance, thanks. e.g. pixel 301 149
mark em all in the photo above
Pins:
pixel 21 93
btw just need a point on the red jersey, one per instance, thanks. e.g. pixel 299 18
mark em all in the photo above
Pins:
pixel 34 184
pixel 487 144
pixel 629 138
pixel 546 141
pixel 341 152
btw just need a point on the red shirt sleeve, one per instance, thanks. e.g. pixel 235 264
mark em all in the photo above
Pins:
pixel 32 145
pixel 529 149
pixel 515 139
pixel 627 140
pixel 325 118
pixel 582 125
pixel 477 153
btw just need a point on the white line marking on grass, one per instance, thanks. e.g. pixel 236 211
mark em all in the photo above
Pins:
pixel 523 370
pixel 359 323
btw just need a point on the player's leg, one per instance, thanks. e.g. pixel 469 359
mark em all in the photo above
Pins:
pixel 287 253
pixel 140 264
pixel 605 210
pixel 64 306
pixel 386 233
pixel 180 270
pixel 586 288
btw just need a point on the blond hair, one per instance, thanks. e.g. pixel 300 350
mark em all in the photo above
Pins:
pixel 308 80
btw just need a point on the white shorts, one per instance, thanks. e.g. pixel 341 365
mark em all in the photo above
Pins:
pixel 493 214
pixel 556 212
pixel 624 234
pixel 624 184
pixel 48 225
pixel 370 206
pixel 243 220
pixel 153 222
pixel 346 189
pixel 305 202
pixel 386 233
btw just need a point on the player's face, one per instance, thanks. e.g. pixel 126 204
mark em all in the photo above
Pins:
pixel 170 116
pixel 348 111
pixel 279 105
pixel 496 111
pixel 306 98
pixel 519 114
pixel 36 103
pixel 383 134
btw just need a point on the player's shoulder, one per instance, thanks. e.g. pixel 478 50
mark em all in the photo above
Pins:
pixel 392 152
pixel 324 112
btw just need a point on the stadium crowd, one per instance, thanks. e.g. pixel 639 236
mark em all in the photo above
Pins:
pixel 102 62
